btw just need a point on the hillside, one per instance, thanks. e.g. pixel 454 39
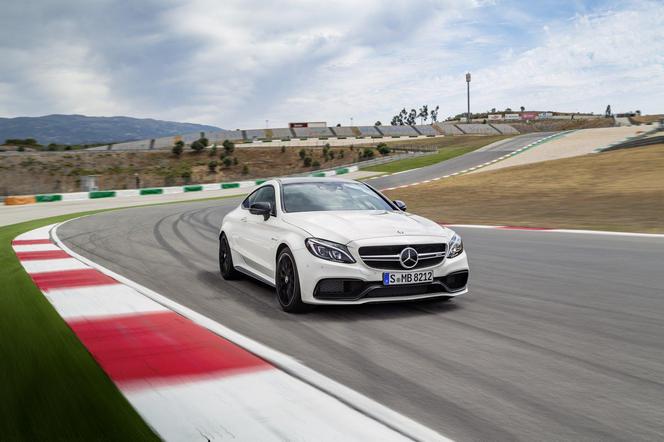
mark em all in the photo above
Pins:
pixel 80 129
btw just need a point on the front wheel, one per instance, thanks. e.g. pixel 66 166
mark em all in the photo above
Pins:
pixel 288 284
pixel 226 267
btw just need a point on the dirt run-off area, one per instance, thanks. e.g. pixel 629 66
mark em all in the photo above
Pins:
pixel 621 190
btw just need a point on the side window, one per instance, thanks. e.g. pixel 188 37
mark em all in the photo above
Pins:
pixel 265 195
pixel 250 199
pixel 262 195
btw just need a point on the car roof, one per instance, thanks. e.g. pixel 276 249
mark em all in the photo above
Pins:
pixel 291 180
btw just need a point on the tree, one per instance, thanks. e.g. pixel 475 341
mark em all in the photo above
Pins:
pixel 434 114
pixel 523 108
pixel 378 123
pixel 508 109
pixel 306 161
pixel 198 145
pixel 228 162
pixel 368 153
pixel 423 113
pixel 212 166
pixel 383 149
pixel 493 110
pixel 178 147
pixel 302 153
pixel 229 147
pixel 607 113
pixel 395 120
pixel 213 151
pixel 412 116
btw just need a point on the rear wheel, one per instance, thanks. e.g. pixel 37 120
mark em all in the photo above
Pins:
pixel 226 267
pixel 288 284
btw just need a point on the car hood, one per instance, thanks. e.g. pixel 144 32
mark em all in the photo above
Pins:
pixel 346 226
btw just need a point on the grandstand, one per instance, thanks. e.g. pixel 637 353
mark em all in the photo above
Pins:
pixel 426 129
pixel 397 131
pixel 313 132
pixel 302 134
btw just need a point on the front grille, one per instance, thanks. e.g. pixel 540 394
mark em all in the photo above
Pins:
pixel 387 257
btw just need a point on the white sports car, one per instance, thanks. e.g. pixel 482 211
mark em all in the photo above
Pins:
pixel 335 241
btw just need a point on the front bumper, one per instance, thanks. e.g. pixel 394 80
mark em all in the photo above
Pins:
pixel 363 284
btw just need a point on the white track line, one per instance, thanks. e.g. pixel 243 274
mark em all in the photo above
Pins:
pixel 479 166
pixel 546 230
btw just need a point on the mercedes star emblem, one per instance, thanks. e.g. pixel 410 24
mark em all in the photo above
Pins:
pixel 408 258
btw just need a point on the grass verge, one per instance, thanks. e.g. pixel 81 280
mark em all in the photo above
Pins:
pixel 448 147
pixel 51 387
pixel 619 191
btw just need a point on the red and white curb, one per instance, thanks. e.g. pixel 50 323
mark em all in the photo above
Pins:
pixel 479 166
pixel 191 378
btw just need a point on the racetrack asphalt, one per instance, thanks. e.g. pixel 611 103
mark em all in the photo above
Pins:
pixel 560 338
pixel 457 164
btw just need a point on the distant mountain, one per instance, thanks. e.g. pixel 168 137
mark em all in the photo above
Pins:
pixel 79 129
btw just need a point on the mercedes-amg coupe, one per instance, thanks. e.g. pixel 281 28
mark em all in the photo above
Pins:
pixel 334 241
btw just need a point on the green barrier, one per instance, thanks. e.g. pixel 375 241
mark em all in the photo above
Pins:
pixel 259 182
pixel 102 194
pixel 229 185
pixel 48 198
pixel 318 174
pixel 193 188
pixel 342 170
pixel 155 191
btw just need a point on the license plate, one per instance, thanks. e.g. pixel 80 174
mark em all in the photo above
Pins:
pixel 392 278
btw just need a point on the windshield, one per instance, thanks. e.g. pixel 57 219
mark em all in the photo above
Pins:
pixel 323 196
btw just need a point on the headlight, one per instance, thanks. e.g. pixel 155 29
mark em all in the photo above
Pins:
pixel 328 250
pixel 455 247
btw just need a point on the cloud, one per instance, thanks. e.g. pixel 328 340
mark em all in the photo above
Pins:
pixel 237 63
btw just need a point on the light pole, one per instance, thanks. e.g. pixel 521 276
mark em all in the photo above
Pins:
pixel 468 96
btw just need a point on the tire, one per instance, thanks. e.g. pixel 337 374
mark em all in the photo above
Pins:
pixel 287 283
pixel 226 267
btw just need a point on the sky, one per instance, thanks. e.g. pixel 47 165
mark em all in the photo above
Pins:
pixel 238 63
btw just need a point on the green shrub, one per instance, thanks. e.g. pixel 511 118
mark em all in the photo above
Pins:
pixel 229 147
pixel 307 161
pixel 178 147
pixel 212 166
pixel 20 149
pixel 228 161
pixel 213 150
pixel 383 149
pixel 235 161
pixel 245 169
pixel 341 154
pixel 197 146
pixel 283 149
pixel 302 153
pixel 315 165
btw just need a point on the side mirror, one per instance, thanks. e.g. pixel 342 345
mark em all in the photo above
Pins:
pixel 264 209
pixel 400 204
